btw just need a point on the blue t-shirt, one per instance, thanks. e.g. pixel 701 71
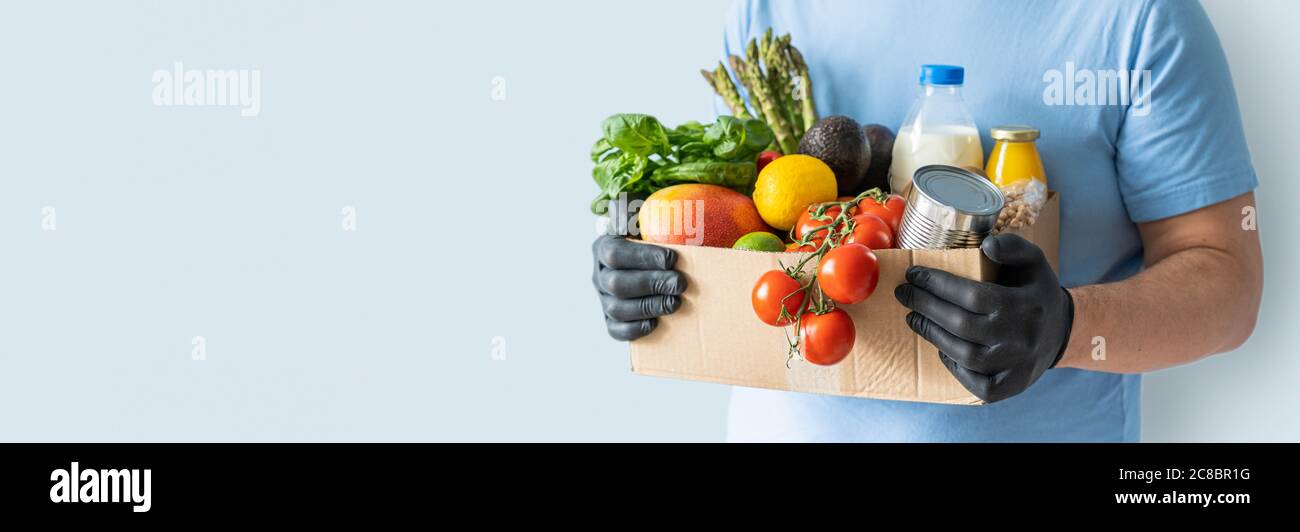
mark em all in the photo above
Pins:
pixel 1177 147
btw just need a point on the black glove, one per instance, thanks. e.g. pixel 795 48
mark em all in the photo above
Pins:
pixel 997 339
pixel 636 284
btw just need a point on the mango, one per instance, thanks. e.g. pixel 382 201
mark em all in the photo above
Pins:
pixel 698 215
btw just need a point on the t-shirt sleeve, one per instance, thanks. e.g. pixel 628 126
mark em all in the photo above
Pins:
pixel 1181 146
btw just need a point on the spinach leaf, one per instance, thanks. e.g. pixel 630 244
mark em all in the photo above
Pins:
pixel 618 174
pixel 736 139
pixel 636 134
pixel 736 176
pixel 686 133
pixel 758 136
pixel 693 151
pixel 600 150
pixel 726 136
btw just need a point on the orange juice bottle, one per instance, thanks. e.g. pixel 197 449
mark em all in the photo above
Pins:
pixel 1015 167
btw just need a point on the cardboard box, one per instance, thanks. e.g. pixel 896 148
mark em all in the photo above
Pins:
pixel 715 337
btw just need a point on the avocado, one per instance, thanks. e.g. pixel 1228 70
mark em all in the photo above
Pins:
pixel 880 142
pixel 839 142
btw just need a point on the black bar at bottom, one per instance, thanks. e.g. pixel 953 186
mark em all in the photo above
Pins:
pixel 327 480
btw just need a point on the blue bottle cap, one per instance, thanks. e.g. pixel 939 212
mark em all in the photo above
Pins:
pixel 942 74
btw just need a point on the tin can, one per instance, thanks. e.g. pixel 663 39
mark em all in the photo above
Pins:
pixel 948 207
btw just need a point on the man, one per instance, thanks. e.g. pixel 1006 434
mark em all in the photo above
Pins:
pixel 1158 248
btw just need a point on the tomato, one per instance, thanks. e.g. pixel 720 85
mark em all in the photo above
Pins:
pixel 807 224
pixel 766 157
pixel 826 339
pixel 871 231
pixel 891 211
pixel 796 248
pixel 768 294
pixel 848 274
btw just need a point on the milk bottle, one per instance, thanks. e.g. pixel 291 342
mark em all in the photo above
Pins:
pixel 938 129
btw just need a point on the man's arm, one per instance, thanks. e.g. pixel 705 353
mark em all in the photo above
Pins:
pixel 1199 295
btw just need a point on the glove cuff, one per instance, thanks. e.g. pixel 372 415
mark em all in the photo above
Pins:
pixel 1069 326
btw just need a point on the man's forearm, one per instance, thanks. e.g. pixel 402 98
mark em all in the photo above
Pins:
pixel 1189 305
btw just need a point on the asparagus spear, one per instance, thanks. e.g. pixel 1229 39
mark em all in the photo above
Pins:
pixel 762 91
pixel 779 74
pixel 721 82
pixel 725 82
pixel 809 107
pixel 765 44
pixel 743 74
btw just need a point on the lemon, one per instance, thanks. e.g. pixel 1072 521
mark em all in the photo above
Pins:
pixel 760 241
pixel 790 184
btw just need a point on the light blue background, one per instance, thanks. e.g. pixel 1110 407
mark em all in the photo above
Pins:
pixel 472 224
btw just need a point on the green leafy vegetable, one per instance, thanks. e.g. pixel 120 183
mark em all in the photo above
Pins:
pixel 619 174
pixel 636 134
pixel 736 176
pixel 737 138
pixel 600 150
pixel 689 132
pixel 637 155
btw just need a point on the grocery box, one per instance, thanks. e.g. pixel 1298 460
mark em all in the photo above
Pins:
pixel 715 337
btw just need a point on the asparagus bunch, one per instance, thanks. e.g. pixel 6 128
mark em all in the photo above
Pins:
pixel 775 78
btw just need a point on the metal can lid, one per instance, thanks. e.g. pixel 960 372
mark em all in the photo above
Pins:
pixel 964 191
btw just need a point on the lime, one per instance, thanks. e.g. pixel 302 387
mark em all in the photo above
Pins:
pixel 760 241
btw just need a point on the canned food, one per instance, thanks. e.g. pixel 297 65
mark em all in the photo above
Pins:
pixel 948 207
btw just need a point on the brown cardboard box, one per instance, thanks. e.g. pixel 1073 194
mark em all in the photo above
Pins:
pixel 715 336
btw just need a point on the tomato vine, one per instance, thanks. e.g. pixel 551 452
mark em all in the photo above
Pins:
pixel 836 228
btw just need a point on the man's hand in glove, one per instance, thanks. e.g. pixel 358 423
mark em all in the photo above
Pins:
pixel 996 338
pixel 636 284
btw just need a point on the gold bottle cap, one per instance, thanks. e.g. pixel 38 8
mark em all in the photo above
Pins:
pixel 1014 133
